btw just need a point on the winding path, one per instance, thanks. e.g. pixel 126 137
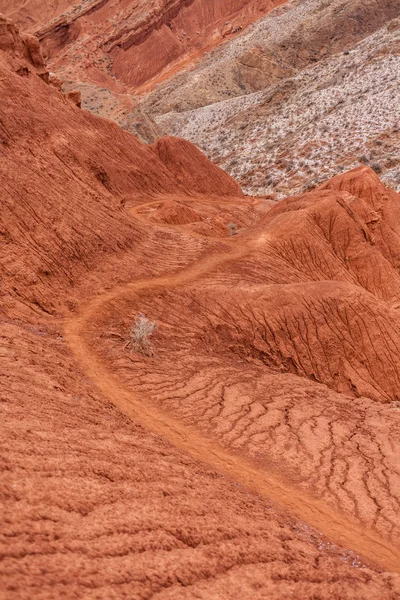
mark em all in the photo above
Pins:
pixel 334 525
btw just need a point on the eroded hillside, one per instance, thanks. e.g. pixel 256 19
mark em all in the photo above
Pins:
pixel 297 99
pixel 133 44
pixel 33 14
pixel 254 453
pixel 109 51
pixel 309 90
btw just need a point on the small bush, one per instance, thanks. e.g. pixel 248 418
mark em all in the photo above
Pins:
pixel 140 335
pixel 233 229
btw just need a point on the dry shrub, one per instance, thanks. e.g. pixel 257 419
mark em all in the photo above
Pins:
pixel 140 335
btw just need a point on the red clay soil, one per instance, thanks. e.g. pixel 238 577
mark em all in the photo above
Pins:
pixel 254 350
pixel 96 502
pixel 94 506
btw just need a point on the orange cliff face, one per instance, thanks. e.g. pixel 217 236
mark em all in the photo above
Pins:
pixel 133 44
pixel 267 106
pixel 33 14
pixel 182 34
pixel 20 50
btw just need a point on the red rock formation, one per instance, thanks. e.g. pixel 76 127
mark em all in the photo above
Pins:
pixel 381 209
pixel 94 505
pixel 15 46
pixel 76 97
pixel 91 162
pixel 177 35
pixel 192 169
pixel 286 344
pixel 139 43
pixel 31 14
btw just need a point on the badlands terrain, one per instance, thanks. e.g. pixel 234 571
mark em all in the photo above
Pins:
pixel 252 448
pixel 280 95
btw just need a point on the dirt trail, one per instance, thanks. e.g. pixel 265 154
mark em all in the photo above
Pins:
pixel 138 213
pixel 334 525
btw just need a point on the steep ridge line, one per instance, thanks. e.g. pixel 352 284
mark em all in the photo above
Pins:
pixel 160 16
pixel 70 17
pixel 139 44
pixel 334 525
